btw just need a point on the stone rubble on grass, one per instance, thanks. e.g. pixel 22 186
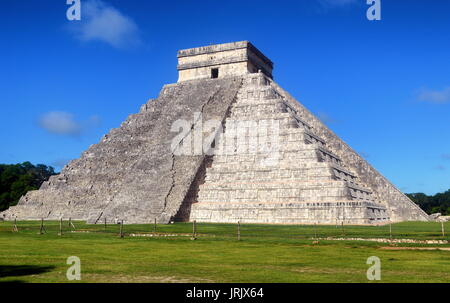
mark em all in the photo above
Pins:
pixel 386 240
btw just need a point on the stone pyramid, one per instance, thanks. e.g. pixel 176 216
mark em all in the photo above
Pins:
pixel 266 158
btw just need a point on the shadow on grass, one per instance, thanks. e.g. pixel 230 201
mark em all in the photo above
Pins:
pixel 22 270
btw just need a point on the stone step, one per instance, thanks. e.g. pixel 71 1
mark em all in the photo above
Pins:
pixel 272 184
pixel 282 120
pixel 268 197
pixel 265 107
pixel 284 151
pixel 275 176
pixel 243 147
pixel 239 168
pixel 342 203
pixel 260 191
pixel 259 158
pixel 297 169
pixel 269 117
pixel 271 197
pixel 258 92
pixel 300 174
pixel 281 189
pixel 308 212
pixel 249 132
pixel 242 102
pixel 261 109
pixel 356 191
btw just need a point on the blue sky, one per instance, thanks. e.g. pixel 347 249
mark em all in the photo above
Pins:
pixel 382 86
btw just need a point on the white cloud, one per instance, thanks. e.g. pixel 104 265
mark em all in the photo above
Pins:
pixel 63 123
pixel 103 22
pixel 434 96
pixel 60 123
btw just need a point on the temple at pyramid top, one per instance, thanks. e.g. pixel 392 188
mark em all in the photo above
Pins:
pixel 222 60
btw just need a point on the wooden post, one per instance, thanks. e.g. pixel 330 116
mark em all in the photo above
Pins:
pixel 105 223
pixel 121 229
pixel 343 230
pixel 239 230
pixel 42 229
pixel 15 229
pixel 194 230
pixel 315 231
pixel 71 225
pixel 154 226
pixel 390 230
pixel 60 227
pixel 442 228
pixel 316 238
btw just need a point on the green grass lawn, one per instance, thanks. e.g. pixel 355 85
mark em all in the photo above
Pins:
pixel 266 253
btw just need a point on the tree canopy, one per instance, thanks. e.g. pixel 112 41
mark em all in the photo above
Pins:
pixel 17 179
pixel 439 203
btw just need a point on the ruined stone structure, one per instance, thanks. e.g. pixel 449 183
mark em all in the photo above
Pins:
pixel 222 60
pixel 304 174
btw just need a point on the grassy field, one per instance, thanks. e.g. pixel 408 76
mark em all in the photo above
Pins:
pixel 265 253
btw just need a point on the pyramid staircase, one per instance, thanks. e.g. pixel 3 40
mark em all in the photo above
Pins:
pixel 295 179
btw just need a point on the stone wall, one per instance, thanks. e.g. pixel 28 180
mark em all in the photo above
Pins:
pixel 307 184
pixel 400 207
pixel 132 174
pixel 232 59
pixel 292 213
pixel 239 67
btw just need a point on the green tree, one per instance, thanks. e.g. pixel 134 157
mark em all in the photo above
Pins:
pixel 439 203
pixel 17 179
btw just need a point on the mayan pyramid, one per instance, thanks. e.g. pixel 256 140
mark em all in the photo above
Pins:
pixel 268 159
